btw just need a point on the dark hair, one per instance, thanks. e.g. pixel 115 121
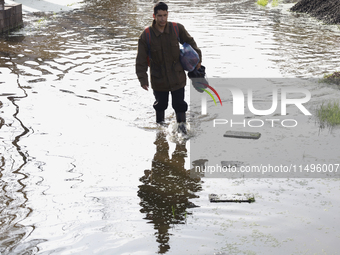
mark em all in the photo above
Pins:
pixel 160 6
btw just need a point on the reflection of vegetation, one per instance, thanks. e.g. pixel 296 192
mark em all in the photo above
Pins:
pixel 333 78
pixel 328 114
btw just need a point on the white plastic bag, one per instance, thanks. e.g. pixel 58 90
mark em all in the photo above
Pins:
pixel 188 57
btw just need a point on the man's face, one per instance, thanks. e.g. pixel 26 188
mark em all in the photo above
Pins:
pixel 161 18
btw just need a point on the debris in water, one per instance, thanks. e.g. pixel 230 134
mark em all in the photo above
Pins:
pixel 214 198
pixel 242 134
pixel 230 164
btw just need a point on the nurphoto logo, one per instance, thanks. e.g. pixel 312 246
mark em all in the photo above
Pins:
pixel 204 100
pixel 276 100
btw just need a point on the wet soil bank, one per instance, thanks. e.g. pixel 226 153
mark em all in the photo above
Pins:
pixel 325 10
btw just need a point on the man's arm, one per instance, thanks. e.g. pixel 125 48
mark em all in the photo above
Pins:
pixel 142 63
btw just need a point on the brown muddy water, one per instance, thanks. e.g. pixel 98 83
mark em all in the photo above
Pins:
pixel 84 169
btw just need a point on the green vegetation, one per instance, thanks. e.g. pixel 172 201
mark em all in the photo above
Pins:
pixel 177 218
pixel 41 20
pixel 173 211
pixel 275 3
pixel 251 197
pixel 328 114
pixel 265 2
pixel 333 78
pixel 251 200
pixel 262 2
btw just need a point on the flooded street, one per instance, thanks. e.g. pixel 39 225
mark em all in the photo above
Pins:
pixel 85 170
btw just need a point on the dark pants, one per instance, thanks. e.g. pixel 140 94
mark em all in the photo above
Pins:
pixel 162 99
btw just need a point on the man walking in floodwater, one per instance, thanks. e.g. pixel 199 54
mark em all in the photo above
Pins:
pixel 166 72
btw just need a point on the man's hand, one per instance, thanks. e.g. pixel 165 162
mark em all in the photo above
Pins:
pixel 146 87
pixel 198 66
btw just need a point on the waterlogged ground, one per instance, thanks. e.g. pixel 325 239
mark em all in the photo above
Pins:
pixel 84 169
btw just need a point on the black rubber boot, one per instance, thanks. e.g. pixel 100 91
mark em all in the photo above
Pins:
pixel 181 120
pixel 181 117
pixel 160 117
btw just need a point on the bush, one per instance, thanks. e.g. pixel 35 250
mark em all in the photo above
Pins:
pixel 328 114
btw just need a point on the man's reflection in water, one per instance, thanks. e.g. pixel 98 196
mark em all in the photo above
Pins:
pixel 166 190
